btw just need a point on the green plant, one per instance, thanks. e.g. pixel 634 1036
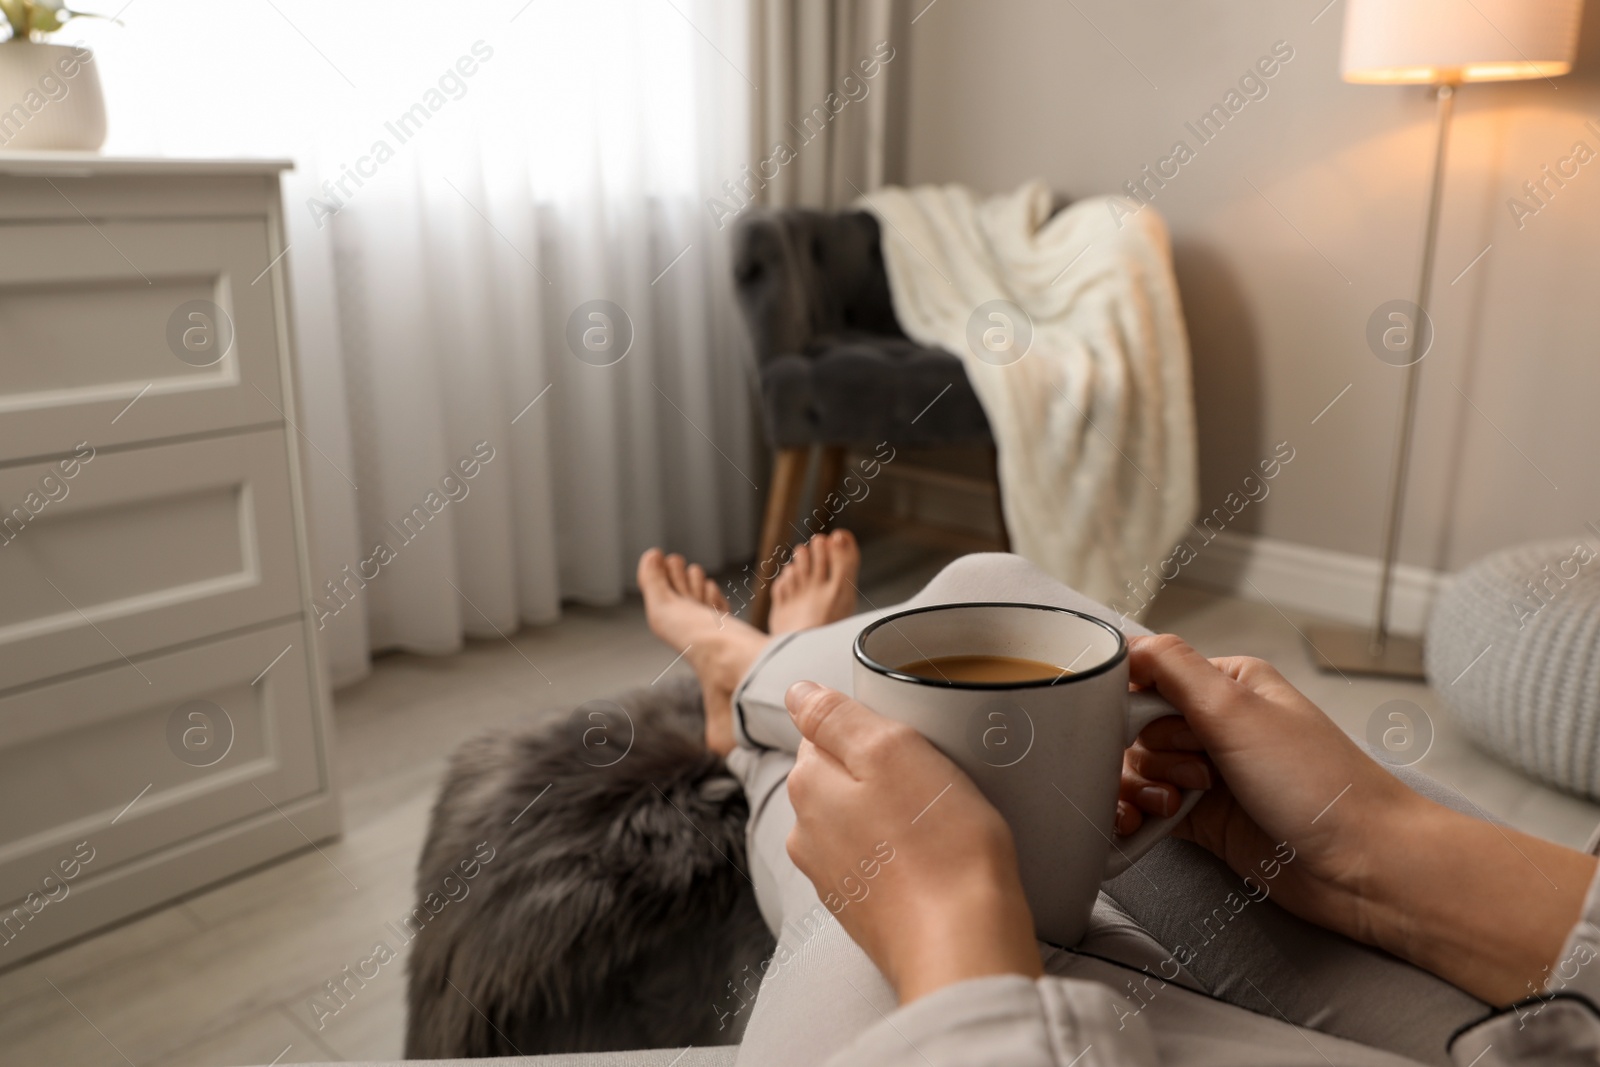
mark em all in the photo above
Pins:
pixel 31 17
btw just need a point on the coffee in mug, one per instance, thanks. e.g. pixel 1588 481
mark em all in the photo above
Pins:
pixel 1006 669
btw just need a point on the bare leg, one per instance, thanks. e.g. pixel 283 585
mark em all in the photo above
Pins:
pixel 818 584
pixel 686 610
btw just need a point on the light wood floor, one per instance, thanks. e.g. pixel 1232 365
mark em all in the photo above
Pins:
pixel 224 977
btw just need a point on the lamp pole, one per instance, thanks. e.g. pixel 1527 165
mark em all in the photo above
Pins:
pixel 1445 93
pixel 1377 651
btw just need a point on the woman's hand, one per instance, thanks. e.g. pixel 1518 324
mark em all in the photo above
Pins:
pixel 1287 773
pixel 1485 907
pixel 911 859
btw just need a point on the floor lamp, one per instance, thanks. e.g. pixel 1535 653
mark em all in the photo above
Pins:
pixel 1443 44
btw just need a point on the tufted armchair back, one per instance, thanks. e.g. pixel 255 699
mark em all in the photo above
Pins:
pixel 808 280
pixel 835 368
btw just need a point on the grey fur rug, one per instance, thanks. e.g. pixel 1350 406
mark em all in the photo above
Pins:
pixel 583 888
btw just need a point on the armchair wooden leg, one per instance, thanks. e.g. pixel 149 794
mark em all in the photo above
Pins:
pixel 1000 504
pixel 783 496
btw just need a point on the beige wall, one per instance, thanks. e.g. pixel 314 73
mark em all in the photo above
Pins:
pixel 1002 90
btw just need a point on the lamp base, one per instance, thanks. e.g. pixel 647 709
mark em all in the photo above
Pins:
pixel 1349 650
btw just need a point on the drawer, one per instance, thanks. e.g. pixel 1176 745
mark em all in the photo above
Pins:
pixel 74 754
pixel 142 549
pixel 170 312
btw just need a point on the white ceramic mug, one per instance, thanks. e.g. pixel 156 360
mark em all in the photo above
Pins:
pixel 1047 754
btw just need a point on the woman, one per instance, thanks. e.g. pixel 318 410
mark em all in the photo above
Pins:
pixel 1401 928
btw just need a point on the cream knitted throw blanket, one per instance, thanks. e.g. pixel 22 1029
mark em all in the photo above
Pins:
pixel 1073 338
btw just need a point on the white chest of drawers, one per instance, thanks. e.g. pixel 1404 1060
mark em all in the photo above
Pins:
pixel 161 704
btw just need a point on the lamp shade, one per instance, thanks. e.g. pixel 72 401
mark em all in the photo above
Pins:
pixel 1432 41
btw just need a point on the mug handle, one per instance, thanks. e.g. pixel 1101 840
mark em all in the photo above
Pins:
pixel 1144 708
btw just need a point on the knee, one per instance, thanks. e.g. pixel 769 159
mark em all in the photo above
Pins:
pixel 995 576
pixel 985 567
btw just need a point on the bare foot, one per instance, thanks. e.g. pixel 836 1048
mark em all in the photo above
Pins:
pixel 681 604
pixel 686 610
pixel 818 585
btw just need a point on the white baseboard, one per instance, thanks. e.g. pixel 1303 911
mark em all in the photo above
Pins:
pixel 1337 586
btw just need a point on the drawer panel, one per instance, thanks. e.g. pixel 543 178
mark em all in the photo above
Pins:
pixel 94 315
pixel 142 549
pixel 202 738
pixel 101 187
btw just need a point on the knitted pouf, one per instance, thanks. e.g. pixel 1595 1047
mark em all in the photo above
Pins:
pixel 1513 649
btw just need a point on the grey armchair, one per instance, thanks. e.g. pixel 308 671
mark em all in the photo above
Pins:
pixel 835 367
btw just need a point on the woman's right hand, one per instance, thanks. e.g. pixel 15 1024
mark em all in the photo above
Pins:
pixel 950 905
pixel 1292 783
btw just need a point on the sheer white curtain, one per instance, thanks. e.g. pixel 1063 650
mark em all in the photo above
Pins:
pixel 466 177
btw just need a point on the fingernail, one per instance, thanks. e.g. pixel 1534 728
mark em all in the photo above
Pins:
pixel 1187 739
pixel 1124 819
pixel 1191 776
pixel 1154 797
pixel 798 692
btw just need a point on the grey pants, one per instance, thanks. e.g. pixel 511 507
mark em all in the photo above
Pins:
pixel 821 990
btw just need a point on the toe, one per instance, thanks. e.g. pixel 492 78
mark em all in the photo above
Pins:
pixel 783 584
pixel 714 597
pixel 677 573
pixel 800 565
pixel 652 573
pixel 846 554
pixel 703 589
pixel 821 557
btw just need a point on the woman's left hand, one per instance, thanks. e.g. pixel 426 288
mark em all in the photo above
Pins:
pixel 916 865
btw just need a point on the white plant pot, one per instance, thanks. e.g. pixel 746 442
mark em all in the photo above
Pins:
pixel 50 98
